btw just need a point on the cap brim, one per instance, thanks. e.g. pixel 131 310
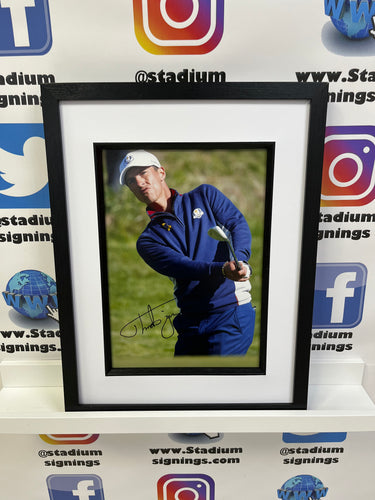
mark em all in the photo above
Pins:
pixel 124 172
pixel 122 177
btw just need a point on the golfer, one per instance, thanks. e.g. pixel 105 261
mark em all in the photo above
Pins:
pixel 216 316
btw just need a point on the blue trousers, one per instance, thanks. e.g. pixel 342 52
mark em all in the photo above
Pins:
pixel 227 333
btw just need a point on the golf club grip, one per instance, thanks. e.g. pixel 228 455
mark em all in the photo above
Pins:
pixel 238 265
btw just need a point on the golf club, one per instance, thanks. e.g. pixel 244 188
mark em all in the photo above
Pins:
pixel 218 234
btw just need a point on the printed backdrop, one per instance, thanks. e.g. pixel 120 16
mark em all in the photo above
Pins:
pixel 46 41
pixel 184 466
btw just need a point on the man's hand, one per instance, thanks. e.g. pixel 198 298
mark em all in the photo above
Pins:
pixel 231 272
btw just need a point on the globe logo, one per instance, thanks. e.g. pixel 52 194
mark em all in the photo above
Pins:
pixel 302 487
pixel 352 18
pixel 31 293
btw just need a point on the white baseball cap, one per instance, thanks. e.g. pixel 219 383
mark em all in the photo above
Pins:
pixel 139 158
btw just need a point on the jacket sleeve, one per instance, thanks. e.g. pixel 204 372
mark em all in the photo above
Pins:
pixel 229 216
pixel 174 264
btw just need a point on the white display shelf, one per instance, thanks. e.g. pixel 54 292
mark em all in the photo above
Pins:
pixel 40 411
pixel 26 408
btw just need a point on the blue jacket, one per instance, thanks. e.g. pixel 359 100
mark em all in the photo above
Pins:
pixel 177 245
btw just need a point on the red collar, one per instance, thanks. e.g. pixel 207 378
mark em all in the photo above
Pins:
pixel 152 213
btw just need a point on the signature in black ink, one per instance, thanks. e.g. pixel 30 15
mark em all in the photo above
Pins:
pixel 149 320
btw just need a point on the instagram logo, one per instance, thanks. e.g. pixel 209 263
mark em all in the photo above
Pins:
pixel 348 166
pixel 178 26
pixel 186 487
pixel 69 438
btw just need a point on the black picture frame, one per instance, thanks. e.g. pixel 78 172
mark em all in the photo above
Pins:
pixel 81 118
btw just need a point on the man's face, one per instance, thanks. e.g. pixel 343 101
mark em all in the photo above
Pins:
pixel 146 183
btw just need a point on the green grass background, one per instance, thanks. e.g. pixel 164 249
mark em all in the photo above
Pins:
pixel 241 175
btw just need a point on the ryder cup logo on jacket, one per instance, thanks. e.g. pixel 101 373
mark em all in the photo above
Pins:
pixel 197 213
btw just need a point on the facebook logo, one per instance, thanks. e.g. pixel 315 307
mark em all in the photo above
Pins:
pixel 75 487
pixel 339 295
pixel 25 27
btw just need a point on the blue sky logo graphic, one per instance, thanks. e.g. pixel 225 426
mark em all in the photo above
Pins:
pixel 75 487
pixel 23 166
pixel 339 295
pixel 25 27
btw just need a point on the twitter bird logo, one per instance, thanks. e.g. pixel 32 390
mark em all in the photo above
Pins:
pixel 26 174
pixel 23 167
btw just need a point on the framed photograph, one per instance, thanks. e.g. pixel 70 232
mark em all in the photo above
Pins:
pixel 139 322
pixel 185 223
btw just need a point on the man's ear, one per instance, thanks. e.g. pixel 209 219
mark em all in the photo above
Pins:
pixel 162 173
